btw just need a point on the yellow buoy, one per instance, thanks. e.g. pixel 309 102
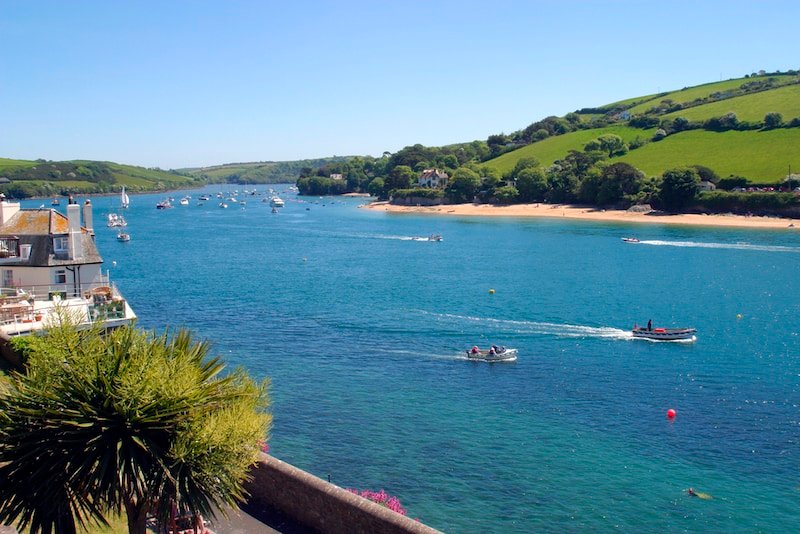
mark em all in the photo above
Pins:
pixel 491 291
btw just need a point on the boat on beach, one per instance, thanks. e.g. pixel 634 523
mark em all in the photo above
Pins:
pixel 499 354
pixel 664 334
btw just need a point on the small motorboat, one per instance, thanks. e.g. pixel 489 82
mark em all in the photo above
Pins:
pixel 494 354
pixel 124 237
pixel 434 237
pixel 164 205
pixel 223 205
pixel 184 201
pixel 55 202
pixel 276 202
pixel 630 239
pixel 664 334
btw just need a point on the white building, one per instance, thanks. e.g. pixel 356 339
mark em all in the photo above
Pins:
pixel 49 262
pixel 433 178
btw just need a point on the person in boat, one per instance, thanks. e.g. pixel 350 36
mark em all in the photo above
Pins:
pixel 649 324
pixel 475 350
pixel 492 351
pixel 691 492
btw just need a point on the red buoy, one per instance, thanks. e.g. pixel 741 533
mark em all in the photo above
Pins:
pixel 671 413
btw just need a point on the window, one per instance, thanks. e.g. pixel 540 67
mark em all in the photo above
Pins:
pixel 8 278
pixel 9 247
pixel 61 276
pixel 61 245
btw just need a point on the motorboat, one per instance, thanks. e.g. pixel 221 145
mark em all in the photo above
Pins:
pixel 630 239
pixel 494 354
pixel 664 334
pixel 55 202
pixel 276 202
pixel 432 237
pixel 184 201
pixel 223 205
pixel 116 220
pixel 124 237
pixel 164 205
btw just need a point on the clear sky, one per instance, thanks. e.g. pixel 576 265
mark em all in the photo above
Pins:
pixel 191 83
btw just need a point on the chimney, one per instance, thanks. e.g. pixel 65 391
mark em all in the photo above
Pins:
pixel 7 209
pixel 88 223
pixel 75 238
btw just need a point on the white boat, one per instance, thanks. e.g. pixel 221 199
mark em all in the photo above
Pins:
pixel 223 205
pixel 630 239
pixel 164 205
pixel 116 220
pixel 204 198
pixel 664 334
pixel 123 236
pixel 55 202
pixel 495 354
pixel 184 201
pixel 276 202
pixel 123 198
pixel 432 237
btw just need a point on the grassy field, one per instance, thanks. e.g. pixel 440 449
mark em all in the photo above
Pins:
pixel 762 157
pixel 9 163
pixel 554 148
pixel 752 107
pixel 690 93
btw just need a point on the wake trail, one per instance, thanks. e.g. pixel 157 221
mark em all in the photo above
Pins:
pixel 730 246
pixel 540 328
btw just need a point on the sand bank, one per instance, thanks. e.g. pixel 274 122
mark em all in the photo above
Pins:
pixel 578 212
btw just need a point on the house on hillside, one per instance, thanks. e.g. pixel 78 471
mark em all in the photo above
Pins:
pixel 337 176
pixel 434 179
pixel 705 185
pixel 50 267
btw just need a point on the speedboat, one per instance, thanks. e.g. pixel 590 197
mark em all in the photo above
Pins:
pixel 223 205
pixel 630 239
pixel 434 237
pixel 664 334
pixel 276 202
pixel 164 205
pixel 184 201
pixel 123 236
pixel 501 354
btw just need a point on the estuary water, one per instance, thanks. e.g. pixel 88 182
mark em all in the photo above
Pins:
pixel 362 331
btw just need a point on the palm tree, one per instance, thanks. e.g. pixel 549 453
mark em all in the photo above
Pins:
pixel 127 421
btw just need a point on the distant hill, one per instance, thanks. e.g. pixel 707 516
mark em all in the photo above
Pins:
pixel 721 125
pixel 265 172
pixel 22 179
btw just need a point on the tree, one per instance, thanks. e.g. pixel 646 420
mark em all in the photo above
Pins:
pixel 618 180
pixel 523 163
pixel 506 194
pixel 678 187
pixel 399 178
pixel 463 185
pixel 773 120
pixel 613 145
pixel 375 187
pixel 531 184
pixel 127 421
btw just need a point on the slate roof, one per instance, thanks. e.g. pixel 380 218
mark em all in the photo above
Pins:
pixel 37 227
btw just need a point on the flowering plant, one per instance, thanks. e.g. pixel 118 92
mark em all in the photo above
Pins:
pixel 382 498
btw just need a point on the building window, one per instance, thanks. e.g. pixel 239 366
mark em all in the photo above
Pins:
pixel 61 276
pixel 8 278
pixel 9 247
pixel 61 245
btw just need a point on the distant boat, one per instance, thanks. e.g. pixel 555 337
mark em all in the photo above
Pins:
pixel 630 239
pixel 276 202
pixel 664 334
pixel 164 205
pixel 495 354
pixel 223 205
pixel 184 201
pixel 274 210
pixel 204 198
pixel 123 198
pixel 123 236
pixel 55 202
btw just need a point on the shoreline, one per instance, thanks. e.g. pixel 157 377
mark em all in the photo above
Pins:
pixel 567 211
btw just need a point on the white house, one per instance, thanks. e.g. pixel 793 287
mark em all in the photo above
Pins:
pixel 337 176
pixel 707 186
pixel 433 178
pixel 49 262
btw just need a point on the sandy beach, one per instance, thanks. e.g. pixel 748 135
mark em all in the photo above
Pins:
pixel 582 212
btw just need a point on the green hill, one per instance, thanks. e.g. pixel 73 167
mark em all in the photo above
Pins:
pixel 761 156
pixel 553 148
pixel 23 178
pixel 265 172
pixel 743 144
pixel 752 107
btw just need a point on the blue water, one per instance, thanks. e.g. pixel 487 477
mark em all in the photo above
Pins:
pixel 361 330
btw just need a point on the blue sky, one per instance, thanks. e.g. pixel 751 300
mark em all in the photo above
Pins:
pixel 191 83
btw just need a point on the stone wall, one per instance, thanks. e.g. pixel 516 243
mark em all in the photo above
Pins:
pixel 322 506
